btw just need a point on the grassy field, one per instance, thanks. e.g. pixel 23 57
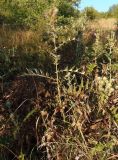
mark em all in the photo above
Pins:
pixel 104 24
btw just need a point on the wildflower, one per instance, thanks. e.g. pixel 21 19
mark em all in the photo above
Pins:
pixel 105 79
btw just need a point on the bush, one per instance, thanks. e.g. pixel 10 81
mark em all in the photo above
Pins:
pixel 91 13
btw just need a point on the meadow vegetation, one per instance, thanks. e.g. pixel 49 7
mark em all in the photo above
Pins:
pixel 58 81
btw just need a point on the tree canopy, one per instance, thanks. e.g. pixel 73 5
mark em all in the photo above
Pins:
pixel 29 12
pixel 113 11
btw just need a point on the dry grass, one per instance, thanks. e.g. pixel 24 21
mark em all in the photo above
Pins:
pixel 14 38
pixel 28 41
pixel 18 37
pixel 104 24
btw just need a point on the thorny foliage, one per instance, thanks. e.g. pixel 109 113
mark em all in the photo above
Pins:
pixel 70 114
pixel 73 115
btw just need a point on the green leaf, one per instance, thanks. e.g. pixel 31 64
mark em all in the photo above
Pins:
pixel 29 115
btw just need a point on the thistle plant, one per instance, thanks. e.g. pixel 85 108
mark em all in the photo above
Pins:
pixel 97 46
pixel 104 88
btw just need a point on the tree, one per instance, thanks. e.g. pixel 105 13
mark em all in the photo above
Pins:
pixel 91 13
pixel 113 11
pixel 23 12
pixel 29 12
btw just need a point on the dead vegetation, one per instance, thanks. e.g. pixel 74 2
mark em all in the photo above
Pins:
pixel 104 24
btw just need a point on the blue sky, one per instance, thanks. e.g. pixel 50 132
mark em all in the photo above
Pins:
pixel 100 5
